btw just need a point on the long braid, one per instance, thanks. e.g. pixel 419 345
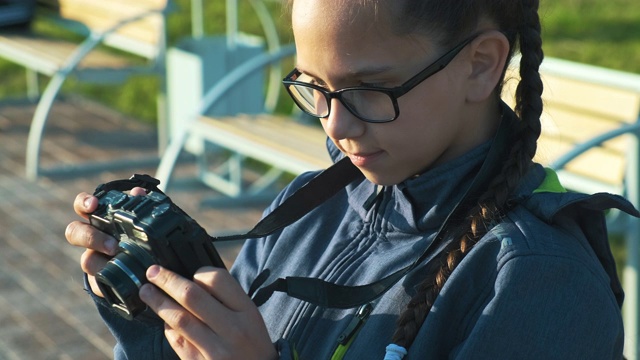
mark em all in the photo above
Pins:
pixel 495 200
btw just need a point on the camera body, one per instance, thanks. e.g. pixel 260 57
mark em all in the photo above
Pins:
pixel 150 229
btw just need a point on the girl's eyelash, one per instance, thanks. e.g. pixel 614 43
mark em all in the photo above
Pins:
pixel 376 85
pixel 319 83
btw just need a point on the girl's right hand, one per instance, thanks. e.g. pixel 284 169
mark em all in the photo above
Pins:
pixel 100 247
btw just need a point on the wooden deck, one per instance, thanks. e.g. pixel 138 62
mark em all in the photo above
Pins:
pixel 44 312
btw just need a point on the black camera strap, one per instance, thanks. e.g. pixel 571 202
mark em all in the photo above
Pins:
pixel 318 190
pixel 138 180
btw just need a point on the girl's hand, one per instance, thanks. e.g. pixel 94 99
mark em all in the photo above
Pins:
pixel 210 317
pixel 100 247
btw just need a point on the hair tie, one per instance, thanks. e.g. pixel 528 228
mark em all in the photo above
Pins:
pixel 395 352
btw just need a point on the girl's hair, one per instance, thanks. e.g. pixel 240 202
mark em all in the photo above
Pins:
pixel 452 21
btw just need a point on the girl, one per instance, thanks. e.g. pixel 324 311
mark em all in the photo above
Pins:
pixel 495 260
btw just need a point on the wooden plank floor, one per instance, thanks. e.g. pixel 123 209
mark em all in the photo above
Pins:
pixel 44 312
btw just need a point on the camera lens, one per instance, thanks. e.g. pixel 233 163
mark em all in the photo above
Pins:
pixel 123 276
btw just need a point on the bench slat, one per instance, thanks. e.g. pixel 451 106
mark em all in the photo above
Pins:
pixel 576 111
pixel 47 55
pixel 609 102
pixel 145 30
pixel 597 163
pixel 274 140
pixel 101 15
pixel 575 127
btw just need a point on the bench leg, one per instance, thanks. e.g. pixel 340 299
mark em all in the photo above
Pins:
pixel 230 182
pixel 170 156
pixel 38 123
pixel 33 88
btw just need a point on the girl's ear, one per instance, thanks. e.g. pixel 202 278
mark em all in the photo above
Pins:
pixel 487 56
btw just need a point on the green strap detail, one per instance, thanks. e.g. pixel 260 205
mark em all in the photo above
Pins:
pixel 551 183
pixel 342 349
pixel 295 353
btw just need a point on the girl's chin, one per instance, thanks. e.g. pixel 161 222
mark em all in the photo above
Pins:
pixel 383 179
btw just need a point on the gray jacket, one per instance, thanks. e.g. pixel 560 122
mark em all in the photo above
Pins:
pixel 540 285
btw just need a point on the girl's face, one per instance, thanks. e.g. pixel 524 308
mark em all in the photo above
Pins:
pixel 340 45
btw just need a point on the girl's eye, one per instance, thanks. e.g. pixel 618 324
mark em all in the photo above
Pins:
pixel 317 82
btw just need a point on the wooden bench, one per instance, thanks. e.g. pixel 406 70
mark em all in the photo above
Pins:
pixel 278 142
pixel 588 124
pixel 135 27
pixel 584 106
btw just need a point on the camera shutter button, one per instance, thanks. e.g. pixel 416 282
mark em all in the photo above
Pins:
pixel 160 210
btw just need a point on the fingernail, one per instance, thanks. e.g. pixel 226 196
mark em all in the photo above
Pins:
pixel 152 271
pixel 145 293
pixel 87 201
pixel 111 245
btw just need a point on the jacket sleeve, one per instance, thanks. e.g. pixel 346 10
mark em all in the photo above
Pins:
pixel 546 307
pixel 142 338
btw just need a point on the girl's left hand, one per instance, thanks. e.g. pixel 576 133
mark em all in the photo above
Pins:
pixel 210 317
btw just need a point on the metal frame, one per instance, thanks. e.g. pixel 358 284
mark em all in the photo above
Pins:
pixel 229 183
pixel 59 76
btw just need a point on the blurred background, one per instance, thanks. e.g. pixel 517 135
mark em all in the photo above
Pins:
pixel 40 283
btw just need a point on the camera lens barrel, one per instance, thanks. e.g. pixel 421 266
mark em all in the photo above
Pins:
pixel 123 276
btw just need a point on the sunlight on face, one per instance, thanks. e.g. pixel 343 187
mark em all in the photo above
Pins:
pixel 340 44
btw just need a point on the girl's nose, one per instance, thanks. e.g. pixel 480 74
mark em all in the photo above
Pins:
pixel 341 123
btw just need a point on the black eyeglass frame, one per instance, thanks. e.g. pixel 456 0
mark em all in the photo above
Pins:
pixel 393 93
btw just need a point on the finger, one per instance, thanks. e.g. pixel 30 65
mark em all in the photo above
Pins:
pixel 138 191
pixel 224 287
pixel 84 204
pixel 181 345
pixel 84 235
pixel 93 284
pixel 192 297
pixel 183 322
pixel 92 261
pixel 205 322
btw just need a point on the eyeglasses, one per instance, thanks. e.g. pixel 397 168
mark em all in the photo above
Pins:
pixel 367 103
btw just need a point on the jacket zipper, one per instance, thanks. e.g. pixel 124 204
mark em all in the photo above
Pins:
pixel 344 340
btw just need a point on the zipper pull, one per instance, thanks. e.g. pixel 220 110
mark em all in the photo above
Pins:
pixel 358 320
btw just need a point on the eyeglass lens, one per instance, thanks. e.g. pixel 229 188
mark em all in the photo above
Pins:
pixel 369 105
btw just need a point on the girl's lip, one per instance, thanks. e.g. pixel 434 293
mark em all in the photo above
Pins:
pixel 362 159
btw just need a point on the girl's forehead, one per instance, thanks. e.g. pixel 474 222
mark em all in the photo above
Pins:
pixel 337 40
pixel 336 15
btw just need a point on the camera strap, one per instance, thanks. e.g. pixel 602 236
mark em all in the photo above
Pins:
pixel 318 190
pixel 137 180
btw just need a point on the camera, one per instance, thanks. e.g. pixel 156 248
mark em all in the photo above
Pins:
pixel 150 229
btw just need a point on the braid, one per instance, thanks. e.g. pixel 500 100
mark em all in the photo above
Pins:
pixel 529 91
pixel 494 202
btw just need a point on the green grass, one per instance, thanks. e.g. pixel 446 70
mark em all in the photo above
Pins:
pixel 599 32
pixel 137 96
